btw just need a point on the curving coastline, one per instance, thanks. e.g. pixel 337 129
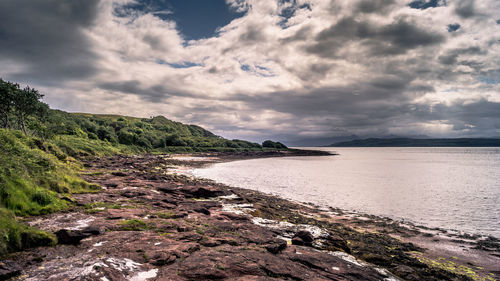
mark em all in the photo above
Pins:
pixel 150 224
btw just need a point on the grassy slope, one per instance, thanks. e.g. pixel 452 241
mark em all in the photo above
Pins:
pixel 34 177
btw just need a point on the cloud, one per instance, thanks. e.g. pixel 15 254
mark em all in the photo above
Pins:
pixel 395 38
pixel 465 8
pixel 284 69
pixel 47 39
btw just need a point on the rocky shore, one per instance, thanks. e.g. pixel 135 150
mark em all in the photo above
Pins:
pixel 150 223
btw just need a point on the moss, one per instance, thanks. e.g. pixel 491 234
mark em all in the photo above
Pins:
pixel 135 225
pixel 165 215
pixel 441 263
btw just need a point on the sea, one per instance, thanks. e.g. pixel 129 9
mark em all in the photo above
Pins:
pixel 453 188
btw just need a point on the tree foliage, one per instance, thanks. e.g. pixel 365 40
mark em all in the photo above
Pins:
pixel 272 144
pixel 20 105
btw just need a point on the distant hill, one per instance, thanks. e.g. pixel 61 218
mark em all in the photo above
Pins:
pixel 409 142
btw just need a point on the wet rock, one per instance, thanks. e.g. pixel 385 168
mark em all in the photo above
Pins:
pixel 276 246
pixel 303 238
pixel 9 269
pixel 202 191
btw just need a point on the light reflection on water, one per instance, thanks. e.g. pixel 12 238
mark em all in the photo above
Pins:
pixel 452 188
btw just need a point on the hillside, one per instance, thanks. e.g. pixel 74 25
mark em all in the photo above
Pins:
pixel 408 142
pixel 156 134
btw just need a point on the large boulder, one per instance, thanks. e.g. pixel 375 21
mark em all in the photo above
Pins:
pixel 73 237
pixel 202 191
pixel 303 238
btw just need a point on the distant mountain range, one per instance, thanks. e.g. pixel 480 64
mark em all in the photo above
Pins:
pixel 411 142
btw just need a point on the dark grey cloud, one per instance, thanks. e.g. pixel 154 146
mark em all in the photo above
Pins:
pixel 481 117
pixel 374 6
pixel 465 8
pixel 391 39
pixel 377 107
pixel 451 56
pixel 152 93
pixel 46 37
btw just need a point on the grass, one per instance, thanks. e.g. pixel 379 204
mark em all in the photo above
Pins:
pixel 34 178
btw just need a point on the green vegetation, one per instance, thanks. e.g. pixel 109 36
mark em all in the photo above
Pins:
pixel 135 225
pixel 272 144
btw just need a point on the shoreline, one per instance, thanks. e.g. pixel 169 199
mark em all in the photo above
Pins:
pixel 193 211
pixel 201 162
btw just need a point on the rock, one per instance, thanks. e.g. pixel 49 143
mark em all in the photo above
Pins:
pixel 184 228
pixel 202 191
pixel 119 174
pixel 94 230
pixel 303 238
pixel 9 269
pixel 233 216
pixel 180 215
pixel 166 189
pixel 276 246
pixel 336 243
pixel 133 193
pixel 404 271
pixel 203 211
pixel 73 237
pixel 162 258
pixel 210 242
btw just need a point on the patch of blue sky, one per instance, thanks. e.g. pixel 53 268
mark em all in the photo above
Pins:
pixel 453 27
pixel 257 70
pixel 184 64
pixel 291 7
pixel 489 80
pixel 426 4
pixel 195 19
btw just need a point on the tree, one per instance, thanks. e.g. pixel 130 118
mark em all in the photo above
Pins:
pixel 272 144
pixel 27 102
pixel 7 91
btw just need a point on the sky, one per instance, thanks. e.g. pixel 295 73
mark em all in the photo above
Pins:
pixel 288 70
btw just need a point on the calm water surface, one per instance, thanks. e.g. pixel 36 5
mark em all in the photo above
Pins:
pixel 452 188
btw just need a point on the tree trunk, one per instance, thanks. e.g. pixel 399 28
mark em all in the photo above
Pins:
pixel 6 123
pixel 22 124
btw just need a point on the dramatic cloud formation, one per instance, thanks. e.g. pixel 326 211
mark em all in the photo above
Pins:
pixel 285 69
